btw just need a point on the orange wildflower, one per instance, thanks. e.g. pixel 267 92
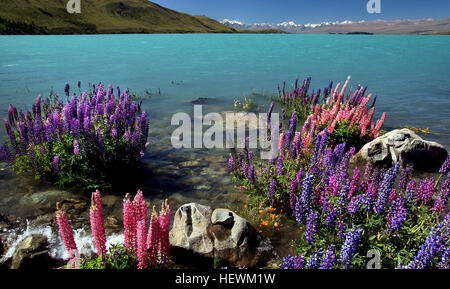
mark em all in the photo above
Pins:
pixel 264 222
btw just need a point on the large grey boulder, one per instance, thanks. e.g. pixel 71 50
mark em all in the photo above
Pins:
pixel 32 253
pixel 406 147
pixel 219 233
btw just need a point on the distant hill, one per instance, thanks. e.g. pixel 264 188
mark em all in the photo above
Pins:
pixel 100 16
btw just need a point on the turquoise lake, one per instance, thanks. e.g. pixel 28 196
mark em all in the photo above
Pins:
pixel 409 74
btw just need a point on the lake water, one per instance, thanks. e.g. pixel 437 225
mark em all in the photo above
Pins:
pixel 409 74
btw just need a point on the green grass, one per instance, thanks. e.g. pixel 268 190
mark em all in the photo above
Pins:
pixel 100 16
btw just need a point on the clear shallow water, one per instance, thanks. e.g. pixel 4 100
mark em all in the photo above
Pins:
pixel 409 74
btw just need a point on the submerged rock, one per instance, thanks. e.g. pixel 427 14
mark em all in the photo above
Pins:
pixel 219 233
pixel 406 147
pixel 31 253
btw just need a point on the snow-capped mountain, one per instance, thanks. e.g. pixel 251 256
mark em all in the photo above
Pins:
pixel 288 26
pixel 402 26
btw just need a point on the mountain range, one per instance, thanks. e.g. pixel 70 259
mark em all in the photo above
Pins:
pixel 421 26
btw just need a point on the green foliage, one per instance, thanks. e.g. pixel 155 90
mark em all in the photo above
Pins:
pixel 247 105
pixel 351 137
pixel 118 258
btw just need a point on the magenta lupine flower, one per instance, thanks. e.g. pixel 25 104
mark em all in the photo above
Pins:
pixel 129 224
pixel 66 232
pixel 354 183
pixel 140 208
pixel 153 239
pixel 425 191
pixel 164 228
pixel 97 225
pixel 445 168
pixel 142 245
pixel 393 196
pixel 441 202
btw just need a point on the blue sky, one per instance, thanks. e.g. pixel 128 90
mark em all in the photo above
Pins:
pixel 309 11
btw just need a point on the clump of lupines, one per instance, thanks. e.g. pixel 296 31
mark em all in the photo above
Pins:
pixel 91 138
pixel 150 246
pixel 337 107
pixel 318 180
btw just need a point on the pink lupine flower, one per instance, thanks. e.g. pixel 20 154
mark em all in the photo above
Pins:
pixel 66 232
pixel 376 130
pixel 97 225
pixel 281 143
pixel 153 238
pixel 140 208
pixel 129 224
pixel 164 226
pixel 141 244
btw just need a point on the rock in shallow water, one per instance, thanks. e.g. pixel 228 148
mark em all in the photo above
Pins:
pixel 406 147
pixel 220 234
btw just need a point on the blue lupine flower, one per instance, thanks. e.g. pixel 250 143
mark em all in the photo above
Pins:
pixel 328 259
pixel 314 260
pixel 350 246
pixel 385 188
pixel 311 227
pixel 293 262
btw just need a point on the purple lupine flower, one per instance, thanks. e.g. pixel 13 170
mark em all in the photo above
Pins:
pixel 385 188
pixel 425 191
pixel 350 246
pixel 330 213
pixel 280 165
pixel 300 176
pixel 272 188
pixel 397 215
pixel 404 178
pixel 311 227
pixel 355 204
pixel 293 194
pixel 293 262
pixel 269 114
pixel 445 259
pixel 231 163
pixel 314 260
pixel 251 174
pixel 289 136
pixel 441 202
pixel 341 227
pixel 56 163
pixel 410 193
pixel 76 147
pixel 328 259
pixel 299 212
pixel 445 168
pixel 432 246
